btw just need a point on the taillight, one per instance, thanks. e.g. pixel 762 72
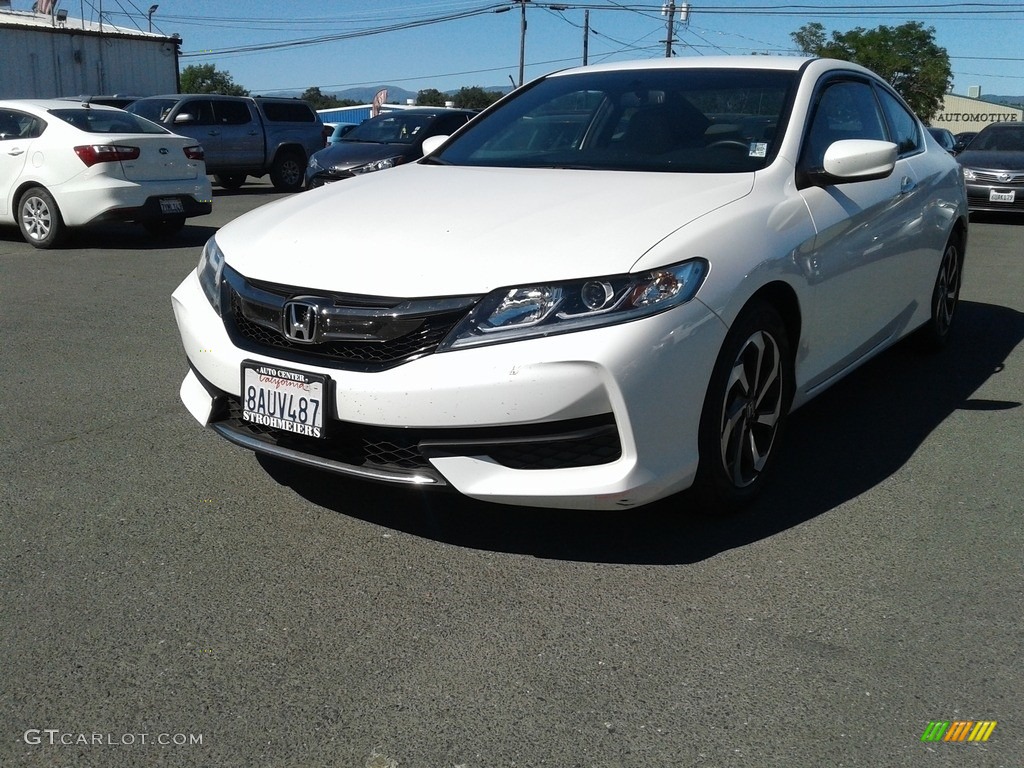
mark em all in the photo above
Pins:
pixel 91 154
pixel 195 153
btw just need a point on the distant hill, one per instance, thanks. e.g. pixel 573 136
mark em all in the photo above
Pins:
pixel 1010 101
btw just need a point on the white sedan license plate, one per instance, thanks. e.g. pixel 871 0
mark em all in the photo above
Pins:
pixel 283 399
pixel 995 196
pixel 171 205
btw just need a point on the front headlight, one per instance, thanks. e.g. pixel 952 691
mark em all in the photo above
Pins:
pixel 969 174
pixel 314 164
pixel 378 165
pixel 210 271
pixel 522 312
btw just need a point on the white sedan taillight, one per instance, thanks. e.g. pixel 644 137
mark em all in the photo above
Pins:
pixel 91 154
pixel 195 153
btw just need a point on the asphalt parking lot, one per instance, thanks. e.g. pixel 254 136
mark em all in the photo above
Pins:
pixel 171 600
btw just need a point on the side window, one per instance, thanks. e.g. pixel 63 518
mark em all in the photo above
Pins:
pixel 10 125
pixel 18 125
pixel 846 109
pixel 902 124
pixel 200 109
pixel 232 112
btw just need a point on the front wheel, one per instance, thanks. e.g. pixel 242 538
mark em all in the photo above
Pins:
pixel 934 334
pixel 745 409
pixel 288 172
pixel 39 218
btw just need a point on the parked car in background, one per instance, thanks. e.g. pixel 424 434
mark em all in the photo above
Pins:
pixel 611 286
pixel 66 165
pixel 383 142
pixel 945 138
pixel 963 139
pixel 993 168
pixel 338 130
pixel 242 136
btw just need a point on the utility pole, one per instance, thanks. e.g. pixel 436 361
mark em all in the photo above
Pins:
pixel 670 9
pixel 522 39
pixel 586 35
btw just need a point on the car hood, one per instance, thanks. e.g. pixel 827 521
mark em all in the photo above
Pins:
pixel 347 154
pixel 998 160
pixel 427 230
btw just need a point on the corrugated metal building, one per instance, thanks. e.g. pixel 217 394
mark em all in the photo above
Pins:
pixel 44 55
pixel 963 113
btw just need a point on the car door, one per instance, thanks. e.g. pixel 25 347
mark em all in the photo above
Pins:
pixel 16 130
pixel 194 118
pixel 241 134
pixel 865 231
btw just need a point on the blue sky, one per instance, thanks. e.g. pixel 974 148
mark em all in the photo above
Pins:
pixel 477 46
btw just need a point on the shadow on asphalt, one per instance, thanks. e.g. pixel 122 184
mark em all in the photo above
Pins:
pixel 837 447
pixel 122 237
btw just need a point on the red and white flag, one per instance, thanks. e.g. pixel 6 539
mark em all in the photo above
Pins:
pixel 44 6
pixel 378 102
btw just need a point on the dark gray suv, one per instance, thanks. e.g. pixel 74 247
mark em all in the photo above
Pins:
pixel 382 142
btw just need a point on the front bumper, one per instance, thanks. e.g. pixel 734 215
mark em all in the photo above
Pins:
pixel 980 197
pixel 599 419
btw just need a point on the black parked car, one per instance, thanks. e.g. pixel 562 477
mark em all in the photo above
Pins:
pixel 383 142
pixel 993 166
pixel 945 138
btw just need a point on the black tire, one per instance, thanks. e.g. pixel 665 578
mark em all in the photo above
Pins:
pixel 934 334
pixel 230 181
pixel 40 220
pixel 745 409
pixel 165 227
pixel 288 171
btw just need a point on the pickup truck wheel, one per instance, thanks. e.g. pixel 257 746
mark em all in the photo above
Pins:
pixel 288 171
pixel 230 180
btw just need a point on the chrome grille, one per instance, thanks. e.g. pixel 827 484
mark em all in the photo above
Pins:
pixel 356 332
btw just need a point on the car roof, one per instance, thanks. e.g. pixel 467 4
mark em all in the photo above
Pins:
pixel 48 104
pixel 781 63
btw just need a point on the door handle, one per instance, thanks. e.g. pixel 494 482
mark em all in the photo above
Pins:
pixel 15 151
pixel 907 185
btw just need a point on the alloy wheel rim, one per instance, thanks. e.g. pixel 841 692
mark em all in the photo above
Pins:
pixel 36 218
pixel 947 289
pixel 751 409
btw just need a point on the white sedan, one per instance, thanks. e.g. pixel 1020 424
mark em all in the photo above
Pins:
pixel 64 164
pixel 613 285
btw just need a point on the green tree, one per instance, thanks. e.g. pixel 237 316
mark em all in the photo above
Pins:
pixel 475 97
pixel 430 97
pixel 907 56
pixel 318 100
pixel 206 78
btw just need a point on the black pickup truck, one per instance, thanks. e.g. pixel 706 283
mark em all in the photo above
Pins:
pixel 242 136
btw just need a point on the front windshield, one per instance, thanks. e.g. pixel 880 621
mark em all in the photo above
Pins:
pixel 1000 138
pixel 669 120
pixel 392 128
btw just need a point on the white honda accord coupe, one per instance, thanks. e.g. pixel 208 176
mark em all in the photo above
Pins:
pixel 609 287
pixel 65 164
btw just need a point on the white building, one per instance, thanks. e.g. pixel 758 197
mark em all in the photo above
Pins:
pixel 44 55
pixel 965 113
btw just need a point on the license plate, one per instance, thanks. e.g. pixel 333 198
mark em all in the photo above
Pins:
pixel 1002 197
pixel 171 205
pixel 283 399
